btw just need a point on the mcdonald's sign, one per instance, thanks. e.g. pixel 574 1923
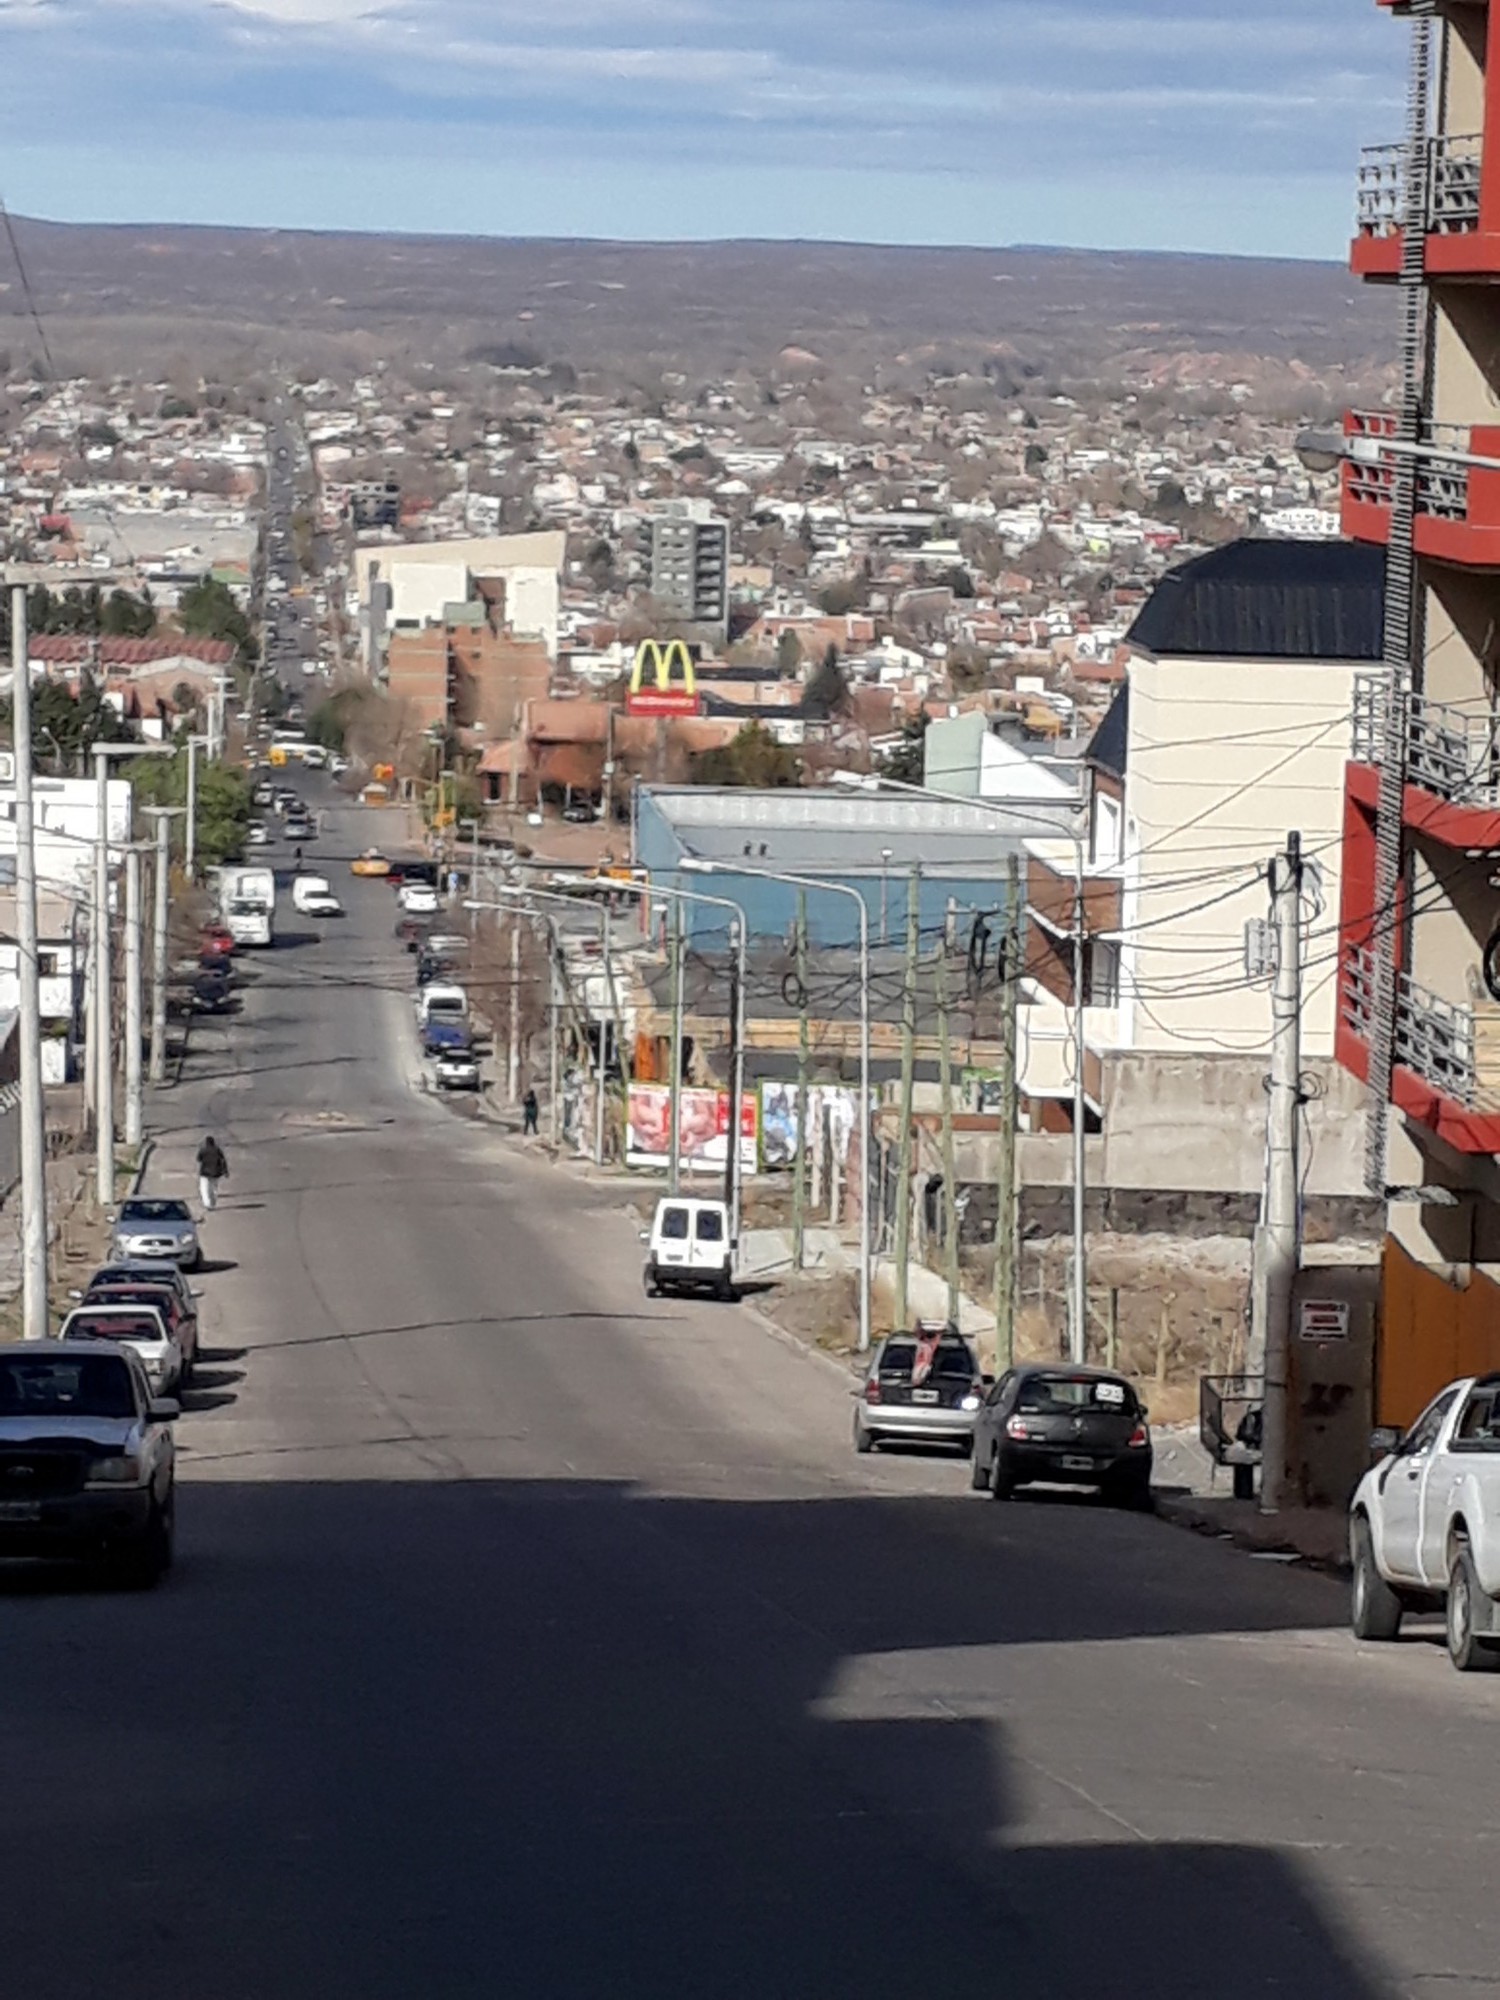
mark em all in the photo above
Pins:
pixel 673 680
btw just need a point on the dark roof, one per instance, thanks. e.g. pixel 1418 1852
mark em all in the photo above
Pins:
pixel 1107 750
pixel 1269 600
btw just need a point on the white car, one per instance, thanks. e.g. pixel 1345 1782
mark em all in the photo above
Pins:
pixel 321 903
pixel 1424 1525
pixel 140 1328
pixel 257 834
pixel 418 899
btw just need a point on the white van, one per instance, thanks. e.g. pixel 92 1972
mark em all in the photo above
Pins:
pixel 438 1001
pixel 689 1248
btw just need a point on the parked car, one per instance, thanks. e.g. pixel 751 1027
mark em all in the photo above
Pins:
pixel 441 1036
pixel 142 1329
pixel 922 1387
pixel 87 1462
pixel 688 1248
pixel 579 815
pixel 257 834
pixel 180 1314
pixel 148 1270
pixel 156 1226
pixel 1064 1426
pixel 456 1069
pixel 321 903
pixel 215 944
pixel 1424 1525
pixel 212 992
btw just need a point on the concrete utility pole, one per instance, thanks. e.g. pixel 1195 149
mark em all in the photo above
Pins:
pixel 1005 1164
pixel 163 816
pixel 602 1031
pixel 799 1157
pixel 1280 1231
pixel 945 1086
pixel 1079 1310
pixel 132 995
pixel 908 1084
pixel 674 1096
pixel 190 845
pixel 101 1053
pixel 33 1129
pixel 513 1077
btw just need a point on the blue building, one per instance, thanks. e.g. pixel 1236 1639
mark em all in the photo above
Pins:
pixel 866 841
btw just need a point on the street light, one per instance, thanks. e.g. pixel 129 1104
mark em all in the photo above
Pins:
pixel 694 865
pixel 1323 450
pixel 1018 809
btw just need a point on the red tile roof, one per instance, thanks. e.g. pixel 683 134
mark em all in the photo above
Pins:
pixel 71 649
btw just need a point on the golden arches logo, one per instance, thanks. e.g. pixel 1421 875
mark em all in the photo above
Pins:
pixel 661 661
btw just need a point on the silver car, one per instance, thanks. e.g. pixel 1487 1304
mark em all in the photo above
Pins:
pixel 156 1226
pixel 924 1387
pixel 86 1459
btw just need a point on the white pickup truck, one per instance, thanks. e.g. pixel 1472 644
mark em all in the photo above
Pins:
pixel 1424 1525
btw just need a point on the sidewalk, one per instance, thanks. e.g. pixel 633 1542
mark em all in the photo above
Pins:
pixel 1317 1535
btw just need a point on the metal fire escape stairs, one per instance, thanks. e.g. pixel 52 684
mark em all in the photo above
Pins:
pixel 1403 622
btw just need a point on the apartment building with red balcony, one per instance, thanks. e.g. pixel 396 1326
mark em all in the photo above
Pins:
pixel 1442 1280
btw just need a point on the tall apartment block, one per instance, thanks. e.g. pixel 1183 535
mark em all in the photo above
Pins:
pixel 690 563
pixel 1418 960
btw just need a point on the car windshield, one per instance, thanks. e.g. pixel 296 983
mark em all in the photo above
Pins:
pixel 1064 1395
pixel 123 1293
pixel 952 1360
pixel 113 1326
pixel 154 1211
pixel 95 1386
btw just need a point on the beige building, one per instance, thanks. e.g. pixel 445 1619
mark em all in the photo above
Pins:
pixel 404 586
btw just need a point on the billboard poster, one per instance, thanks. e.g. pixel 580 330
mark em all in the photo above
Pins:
pixel 831 1117
pixel 702 1127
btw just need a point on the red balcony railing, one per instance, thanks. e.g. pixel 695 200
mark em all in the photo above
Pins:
pixel 1457 505
pixel 1460 221
pixel 1446 1073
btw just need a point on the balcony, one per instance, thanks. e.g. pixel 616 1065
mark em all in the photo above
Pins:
pixel 1452 766
pixel 1457 505
pixel 1446 1074
pixel 1462 241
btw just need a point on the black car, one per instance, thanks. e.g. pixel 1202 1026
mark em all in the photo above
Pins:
pixel 1058 1425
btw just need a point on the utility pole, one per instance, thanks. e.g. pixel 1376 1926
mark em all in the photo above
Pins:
pixel 945 1086
pixel 1010 1097
pixel 674 1097
pixel 33 1129
pixel 1280 1234
pixel 133 995
pixel 602 1033
pixel 101 1038
pixel 1078 1315
pixel 163 816
pixel 514 1075
pixel 554 1052
pixel 190 856
pixel 799 1157
pixel 908 1081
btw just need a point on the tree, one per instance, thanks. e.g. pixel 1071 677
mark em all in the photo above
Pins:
pixel 208 611
pixel 126 617
pixel 846 594
pixel 827 691
pixel 908 761
pixel 330 721
pixel 754 761
pixel 788 653
pixel 223 801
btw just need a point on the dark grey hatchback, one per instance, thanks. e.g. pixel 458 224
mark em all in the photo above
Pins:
pixel 1049 1423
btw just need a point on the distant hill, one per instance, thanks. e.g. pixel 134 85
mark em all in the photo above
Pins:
pixel 141 292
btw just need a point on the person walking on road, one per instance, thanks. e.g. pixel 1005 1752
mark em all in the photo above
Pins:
pixel 212 1168
pixel 529 1111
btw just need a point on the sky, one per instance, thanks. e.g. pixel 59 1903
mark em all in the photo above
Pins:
pixel 1209 125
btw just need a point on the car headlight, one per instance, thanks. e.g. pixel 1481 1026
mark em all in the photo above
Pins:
pixel 970 1402
pixel 123 1471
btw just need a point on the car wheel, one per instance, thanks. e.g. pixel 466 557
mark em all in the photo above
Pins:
pixel 196 1262
pixel 1133 1494
pixel 979 1472
pixel 725 1290
pixel 1374 1608
pixel 1470 1653
pixel 648 1279
pixel 1001 1487
pixel 144 1562
pixel 864 1440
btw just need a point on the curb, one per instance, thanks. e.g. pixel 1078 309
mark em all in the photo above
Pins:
pixel 1192 1514
pixel 845 1373
pixel 148 1147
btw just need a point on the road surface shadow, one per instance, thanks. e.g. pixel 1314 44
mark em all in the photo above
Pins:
pixel 449 1737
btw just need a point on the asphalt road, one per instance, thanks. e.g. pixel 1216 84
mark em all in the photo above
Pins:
pixel 530 1638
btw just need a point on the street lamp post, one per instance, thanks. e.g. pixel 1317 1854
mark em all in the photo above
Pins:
pixel 694 865
pixel 1017 809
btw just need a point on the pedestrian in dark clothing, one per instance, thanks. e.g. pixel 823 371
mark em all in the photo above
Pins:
pixel 529 1111
pixel 212 1168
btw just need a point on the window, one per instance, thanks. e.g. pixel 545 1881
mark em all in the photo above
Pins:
pixel 98 1387
pixel 1478 1427
pixel 1102 973
pixel 674 1225
pixel 710 1226
pixel 47 964
pixel 1423 1434
pixel 1063 1395
pixel 154 1211
pixel 1105 845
